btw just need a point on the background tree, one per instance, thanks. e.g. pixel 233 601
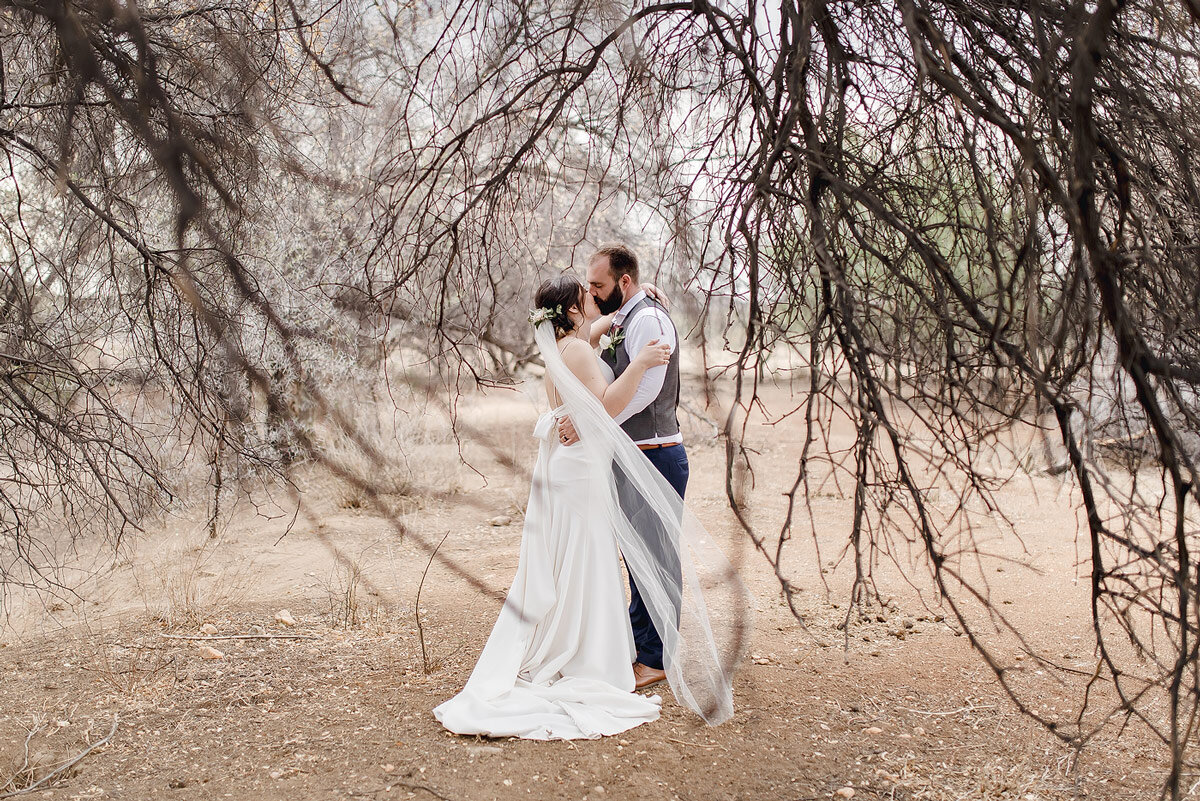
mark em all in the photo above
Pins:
pixel 157 157
pixel 960 217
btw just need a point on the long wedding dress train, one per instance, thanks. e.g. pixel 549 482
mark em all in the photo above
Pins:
pixel 558 663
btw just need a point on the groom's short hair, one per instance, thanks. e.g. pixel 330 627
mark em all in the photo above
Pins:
pixel 621 260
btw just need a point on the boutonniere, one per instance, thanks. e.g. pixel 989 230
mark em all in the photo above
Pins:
pixel 609 342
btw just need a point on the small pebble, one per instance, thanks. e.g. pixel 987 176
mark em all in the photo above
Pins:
pixel 285 617
pixel 208 629
pixel 500 520
pixel 844 792
pixel 208 652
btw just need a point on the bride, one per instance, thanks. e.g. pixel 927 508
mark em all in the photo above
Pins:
pixel 559 661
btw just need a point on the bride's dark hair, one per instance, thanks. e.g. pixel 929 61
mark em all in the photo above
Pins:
pixel 562 293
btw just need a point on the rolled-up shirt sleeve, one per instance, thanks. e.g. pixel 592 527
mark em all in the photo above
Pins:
pixel 650 324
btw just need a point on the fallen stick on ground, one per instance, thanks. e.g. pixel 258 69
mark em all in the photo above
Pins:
pixel 68 765
pixel 967 708
pixel 241 636
pixel 697 745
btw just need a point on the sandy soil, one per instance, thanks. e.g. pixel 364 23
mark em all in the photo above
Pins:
pixel 900 707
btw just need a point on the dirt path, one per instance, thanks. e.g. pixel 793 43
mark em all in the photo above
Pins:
pixel 902 709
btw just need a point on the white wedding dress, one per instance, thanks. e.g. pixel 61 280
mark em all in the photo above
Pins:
pixel 558 663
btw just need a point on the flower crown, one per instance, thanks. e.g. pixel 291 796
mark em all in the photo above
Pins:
pixel 544 314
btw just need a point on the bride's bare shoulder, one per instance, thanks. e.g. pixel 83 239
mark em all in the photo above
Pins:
pixel 580 359
pixel 575 349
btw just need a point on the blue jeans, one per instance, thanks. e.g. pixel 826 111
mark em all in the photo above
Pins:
pixel 672 462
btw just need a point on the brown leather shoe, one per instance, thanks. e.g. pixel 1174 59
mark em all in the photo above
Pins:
pixel 644 675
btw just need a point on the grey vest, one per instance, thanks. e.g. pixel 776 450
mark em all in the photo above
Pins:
pixel 659 418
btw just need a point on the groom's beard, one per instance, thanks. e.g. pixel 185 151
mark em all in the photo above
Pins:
pixel 610 304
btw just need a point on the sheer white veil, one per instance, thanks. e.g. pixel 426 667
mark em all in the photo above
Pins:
pixel 695 598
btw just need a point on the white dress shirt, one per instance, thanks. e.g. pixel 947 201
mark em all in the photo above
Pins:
pixel 650 323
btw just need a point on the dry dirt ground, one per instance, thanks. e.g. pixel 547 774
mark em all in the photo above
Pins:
pixel 902 708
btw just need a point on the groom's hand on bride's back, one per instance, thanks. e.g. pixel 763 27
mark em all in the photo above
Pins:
pixel 566 431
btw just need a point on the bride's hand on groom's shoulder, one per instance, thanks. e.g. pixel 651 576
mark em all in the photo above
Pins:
pixel 657 294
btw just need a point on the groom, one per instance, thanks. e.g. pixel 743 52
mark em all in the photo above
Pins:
pixel 650 419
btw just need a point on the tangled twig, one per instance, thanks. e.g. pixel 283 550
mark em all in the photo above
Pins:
pixel 66 765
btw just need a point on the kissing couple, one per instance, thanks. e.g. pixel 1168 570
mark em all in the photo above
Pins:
pixel 565 656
